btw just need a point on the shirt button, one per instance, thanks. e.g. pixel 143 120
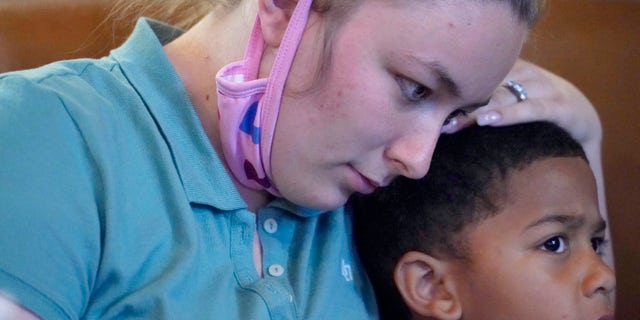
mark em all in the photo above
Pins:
pixel 270 225
pixel 276 270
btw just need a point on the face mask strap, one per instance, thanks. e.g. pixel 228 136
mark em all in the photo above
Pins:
pixel 247 128
pixel 253 52
pixel 270 102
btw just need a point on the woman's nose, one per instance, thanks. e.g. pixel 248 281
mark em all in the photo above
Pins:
pixel 411 155
pixel 599 278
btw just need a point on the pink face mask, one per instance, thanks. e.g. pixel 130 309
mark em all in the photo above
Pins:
pixel 248 107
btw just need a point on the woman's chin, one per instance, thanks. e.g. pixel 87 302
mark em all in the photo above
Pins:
pixel 319 200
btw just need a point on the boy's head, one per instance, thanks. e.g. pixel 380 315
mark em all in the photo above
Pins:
pixel 504 226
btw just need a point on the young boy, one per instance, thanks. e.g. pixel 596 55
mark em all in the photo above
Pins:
pixel 504 226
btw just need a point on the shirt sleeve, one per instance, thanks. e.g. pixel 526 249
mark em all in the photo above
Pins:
pixel 49 222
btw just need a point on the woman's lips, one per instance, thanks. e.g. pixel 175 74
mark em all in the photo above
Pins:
pixel 362 183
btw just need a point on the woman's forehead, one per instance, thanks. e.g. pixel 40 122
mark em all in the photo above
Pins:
pixel 472 43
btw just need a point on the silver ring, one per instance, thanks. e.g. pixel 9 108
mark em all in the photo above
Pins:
pixel 517 90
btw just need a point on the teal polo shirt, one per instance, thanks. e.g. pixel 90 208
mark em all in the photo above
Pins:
pixel 114 205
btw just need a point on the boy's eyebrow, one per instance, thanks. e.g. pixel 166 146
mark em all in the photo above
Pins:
pixel 602 226
pixel 571 222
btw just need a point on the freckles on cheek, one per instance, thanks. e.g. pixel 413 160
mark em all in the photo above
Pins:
pixel 330 106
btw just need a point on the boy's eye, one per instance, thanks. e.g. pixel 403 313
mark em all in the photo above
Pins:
pixel 412 90
pixel 555 244
pixel 597 243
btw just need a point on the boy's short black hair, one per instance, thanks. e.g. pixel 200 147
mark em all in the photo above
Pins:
pixel 464 185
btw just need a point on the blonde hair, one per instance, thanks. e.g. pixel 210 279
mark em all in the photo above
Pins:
pixel 185 13
pixel 180 13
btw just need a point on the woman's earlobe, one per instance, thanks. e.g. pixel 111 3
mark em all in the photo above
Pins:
pixel 424 284
pixel 274 19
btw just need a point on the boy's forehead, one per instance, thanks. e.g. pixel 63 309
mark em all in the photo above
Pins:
pixel 556 186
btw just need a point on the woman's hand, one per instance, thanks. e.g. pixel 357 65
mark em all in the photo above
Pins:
pixel 550 98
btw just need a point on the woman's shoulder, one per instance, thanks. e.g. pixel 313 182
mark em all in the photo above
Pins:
pixel 70 82
pixel 80 113
pixel 87 95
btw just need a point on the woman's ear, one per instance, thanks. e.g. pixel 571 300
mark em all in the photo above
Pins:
pixel 274 18
pixel 426 286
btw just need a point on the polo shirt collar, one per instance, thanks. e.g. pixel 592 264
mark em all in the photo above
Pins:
pixel 146 66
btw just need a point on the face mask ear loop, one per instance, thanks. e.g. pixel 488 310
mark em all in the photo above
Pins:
pixel 253 52
pixel 270 103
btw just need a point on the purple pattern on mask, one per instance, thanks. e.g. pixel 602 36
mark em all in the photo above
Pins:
pixel 247 125
pixel 252 174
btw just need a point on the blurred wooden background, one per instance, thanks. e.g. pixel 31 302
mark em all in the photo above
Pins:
pixel 596 45
pixel 593 43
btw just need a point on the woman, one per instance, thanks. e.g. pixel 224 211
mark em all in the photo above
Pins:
pixel 155 183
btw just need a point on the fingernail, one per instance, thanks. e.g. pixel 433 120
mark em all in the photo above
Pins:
pixel 488 118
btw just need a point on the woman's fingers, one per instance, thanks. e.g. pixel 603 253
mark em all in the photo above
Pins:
pixel 549 98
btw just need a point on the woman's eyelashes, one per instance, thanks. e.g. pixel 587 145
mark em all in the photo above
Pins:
pixel 450 124
pixel 454 116
pixel 413 91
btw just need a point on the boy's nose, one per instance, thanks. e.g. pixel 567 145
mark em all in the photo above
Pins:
pixel 599 279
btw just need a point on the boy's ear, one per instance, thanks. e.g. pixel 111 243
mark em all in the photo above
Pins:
pixel 274 18
pixel 426 286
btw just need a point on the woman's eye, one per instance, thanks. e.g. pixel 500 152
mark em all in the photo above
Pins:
pixel 413 91
pixel 450 123
pixel 555 245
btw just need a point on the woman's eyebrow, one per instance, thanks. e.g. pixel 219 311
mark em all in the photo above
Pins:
pixel 442 74
pixel 472 107
pixel 444 78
